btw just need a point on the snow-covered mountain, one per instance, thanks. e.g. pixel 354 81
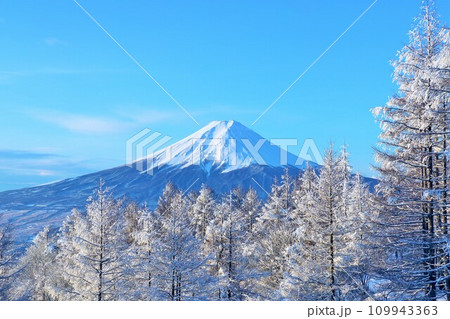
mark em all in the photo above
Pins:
pixel 223 146
pixel 220 155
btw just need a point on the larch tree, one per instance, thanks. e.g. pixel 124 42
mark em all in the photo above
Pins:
pixel 235 273
pixel 251 208
pixel 358 239
pixel 275 231
pixel 38 275
pixel 179 267
pixel 301 255
pixel 330 206
pixel 7 256
pixel 202 211
pixel 413 163
pixel 93 251
pixel 318 256
pixel 139 232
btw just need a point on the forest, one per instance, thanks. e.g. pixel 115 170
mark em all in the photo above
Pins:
pixel 322 235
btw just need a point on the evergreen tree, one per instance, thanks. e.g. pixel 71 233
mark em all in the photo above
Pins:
pixel 302 257
pixel 330 206
pixel 202 211
pixel 361 238
pixel 275 231
pixel 7 256
pixel 179 268
pixel 251 209
pixel 235 282
pixel 413 163
pixel 38 275
pixel 140 233
pixel 93 251
pixel 319 258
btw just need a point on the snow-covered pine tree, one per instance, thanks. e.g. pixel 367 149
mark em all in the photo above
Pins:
pixel 413 163
pixel 358 227
pixel 237 268
pixel 251 208
pixel 276 233
pixel 279 205
pixel 318 256
pixel 139 232
pixel 330 201
pixel 301 255
pixel 7 255
pixel 132 215
pixel 38 275
pixel 345 171
pixel 165 201
pixel 178 266
pixel 213 246
pixel 93 251
pixel 202 211
pixel 271 212
pixel 443 86
pixel 351 275
pixel 304 196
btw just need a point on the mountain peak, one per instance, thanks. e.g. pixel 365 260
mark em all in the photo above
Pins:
pixel 227 123
pixel 224 145
pixel 221 129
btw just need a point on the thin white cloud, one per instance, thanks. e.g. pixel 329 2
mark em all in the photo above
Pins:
pixel 32 163
pixel 145 115
pixel 83 123
pixel 50 41
pixel 44 172
pixel 118 121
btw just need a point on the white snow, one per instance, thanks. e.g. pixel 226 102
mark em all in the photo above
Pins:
pixel 220 144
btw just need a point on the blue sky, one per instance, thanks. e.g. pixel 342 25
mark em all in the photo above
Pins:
pixel 70 98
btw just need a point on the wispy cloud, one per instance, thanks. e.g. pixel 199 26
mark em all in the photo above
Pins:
pixel 32 163
pixel 117 121
pixel 143 115
pixel 28 154
pixel 50 41
pixel 36 164
pixel 82 123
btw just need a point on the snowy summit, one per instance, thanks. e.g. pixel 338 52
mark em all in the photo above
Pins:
pixel 222 155
pixel 223 145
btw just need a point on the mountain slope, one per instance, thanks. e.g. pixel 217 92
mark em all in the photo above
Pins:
pixel 224 145
pixel 218 155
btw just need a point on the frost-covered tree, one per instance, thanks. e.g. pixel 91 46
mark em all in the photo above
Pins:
pixel 93 251
pixel 237 270
pixel 413 161
pixel 443 86
pixel 329 207
pixel 304 195
pixel 251 206
pixel 7 255
pixel 357 241
pixel 38 275
pixel 140 233
pixel 202 211
pixel 279 204
pixel 319 259
pixel 132 217
pixel 275 229
pixel 301 255
pixel 178 265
